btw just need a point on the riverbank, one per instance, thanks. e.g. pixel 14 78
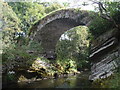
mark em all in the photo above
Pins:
pixel 39 69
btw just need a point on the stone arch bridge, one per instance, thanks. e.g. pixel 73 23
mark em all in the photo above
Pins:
pixel 104 51
pixel 48 30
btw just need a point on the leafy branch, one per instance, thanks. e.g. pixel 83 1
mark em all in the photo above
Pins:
pixel 104 13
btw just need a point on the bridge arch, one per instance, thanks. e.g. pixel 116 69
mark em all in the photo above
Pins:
pixel 49 29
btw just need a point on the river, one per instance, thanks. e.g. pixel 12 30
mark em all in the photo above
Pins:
pixel 76 81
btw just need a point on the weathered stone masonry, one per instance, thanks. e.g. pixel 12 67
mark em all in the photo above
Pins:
pixel 105 50
pixel 50 28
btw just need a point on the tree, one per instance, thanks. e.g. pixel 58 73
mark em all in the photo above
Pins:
pixel 10 25
pixel 73 42
pixel 74 45
pixel 108 10
pixel 52 7
pixel 108 18
pixel 28 13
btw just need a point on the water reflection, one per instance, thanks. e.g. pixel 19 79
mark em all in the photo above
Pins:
pixel 76 81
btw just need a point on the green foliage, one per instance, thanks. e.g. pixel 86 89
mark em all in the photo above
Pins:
pixel 74 44
pixel 66 4
pixel 25 53
pixel 53 7
pixel 50 69
pixel 110 82
pixel 114 10
pixel 100 25
pixel 28 13
pixel 76 41
pixel 11 77
pixel 67 63
pixel 10 25
pixel 17 18
pixel 16 53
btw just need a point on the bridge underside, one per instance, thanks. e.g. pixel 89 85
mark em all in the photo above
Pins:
pixel 48 30
pixel 50 34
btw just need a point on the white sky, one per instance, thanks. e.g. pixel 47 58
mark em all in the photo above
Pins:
pixel 75 3
pixel 78 3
